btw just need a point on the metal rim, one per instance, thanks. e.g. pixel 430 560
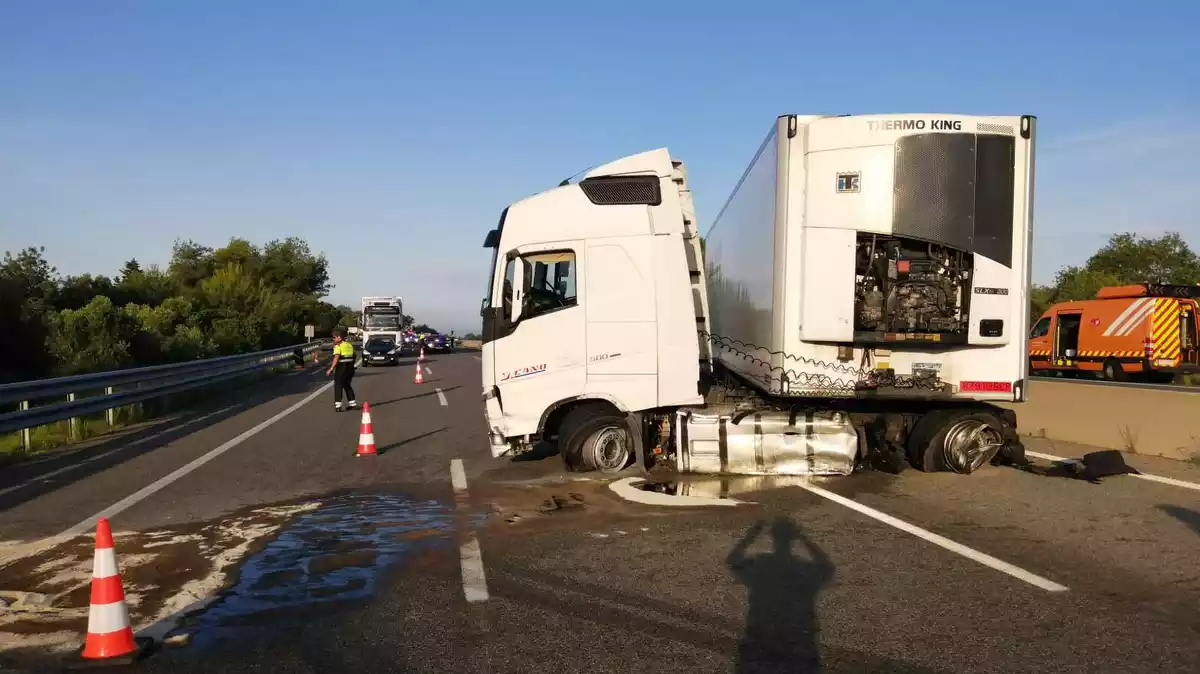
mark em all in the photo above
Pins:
pixel 969 444
pixel 608 449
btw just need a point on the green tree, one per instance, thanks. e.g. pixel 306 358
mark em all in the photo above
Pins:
pixel 191 263
pixel 77 291
pixel 291 266
pixel 91 339
pixel 28 288
pixel 1130 258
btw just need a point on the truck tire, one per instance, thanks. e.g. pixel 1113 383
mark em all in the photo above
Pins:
pixel 595 437
pixel 1113 370
pixel 955 440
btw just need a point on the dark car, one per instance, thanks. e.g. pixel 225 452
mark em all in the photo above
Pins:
pixel 381 350
pixel 410 344
pixel 440 343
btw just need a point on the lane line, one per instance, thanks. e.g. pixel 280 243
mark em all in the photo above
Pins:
pixel 474 579
pixel 1152 478
pixel 428 372
pixel 45 477
pixel 477 358
pixel 941 541
pixel 441 398
pixel 159 484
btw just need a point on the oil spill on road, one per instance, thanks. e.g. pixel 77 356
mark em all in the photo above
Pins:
pixel 333 557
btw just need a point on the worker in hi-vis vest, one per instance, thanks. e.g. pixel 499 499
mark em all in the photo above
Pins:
pixel 342 369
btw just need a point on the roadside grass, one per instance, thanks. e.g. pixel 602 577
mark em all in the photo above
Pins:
pixel 43 439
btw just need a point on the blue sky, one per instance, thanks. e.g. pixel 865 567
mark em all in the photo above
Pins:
pixel 126 125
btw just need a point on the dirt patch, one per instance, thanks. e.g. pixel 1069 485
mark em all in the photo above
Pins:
pixel 162 571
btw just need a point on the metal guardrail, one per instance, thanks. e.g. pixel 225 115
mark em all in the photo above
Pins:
pixel 148 382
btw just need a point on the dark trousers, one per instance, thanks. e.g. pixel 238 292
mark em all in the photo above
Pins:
pixel 342 375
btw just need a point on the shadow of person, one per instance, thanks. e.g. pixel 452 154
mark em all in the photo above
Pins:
pixel 781 618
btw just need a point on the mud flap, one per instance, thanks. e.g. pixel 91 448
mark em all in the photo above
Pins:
pixel 637 431
pixel 1013 451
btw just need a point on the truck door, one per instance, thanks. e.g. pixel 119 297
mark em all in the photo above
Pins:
pixel 1040 344
pixel 1066 338
pixel 1189 340
pixel 542 359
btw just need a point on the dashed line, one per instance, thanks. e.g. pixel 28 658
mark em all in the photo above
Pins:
pixel 1152 478
pixel 940 541
pixel 428 372
pixel 478 358
pixel 441 398
pixel 474 579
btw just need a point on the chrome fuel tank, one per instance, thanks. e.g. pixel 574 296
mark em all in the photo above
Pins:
pixel 804 442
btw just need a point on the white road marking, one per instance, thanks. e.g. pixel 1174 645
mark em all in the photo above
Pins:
pixel 428 372
pixel 970 553
pixel 627 489
pixel 474 579
pixel 478 358
pixel 1153 478
pixel 441 397
pixel 45 477
pixel 142 493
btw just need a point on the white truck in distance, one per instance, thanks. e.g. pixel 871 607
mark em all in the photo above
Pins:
pixel 861 298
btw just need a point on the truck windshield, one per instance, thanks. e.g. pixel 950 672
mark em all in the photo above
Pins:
pixel 381 321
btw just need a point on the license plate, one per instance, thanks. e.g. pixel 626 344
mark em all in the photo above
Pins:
pixel 378 358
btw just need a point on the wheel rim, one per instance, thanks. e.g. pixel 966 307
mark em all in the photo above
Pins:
pixel 969 444
pixel 609 449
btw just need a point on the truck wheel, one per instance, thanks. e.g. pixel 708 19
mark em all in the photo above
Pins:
pixel 595 437
pixel 959 441
pixel 1113 370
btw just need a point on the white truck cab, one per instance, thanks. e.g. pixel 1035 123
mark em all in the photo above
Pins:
pixel 595 294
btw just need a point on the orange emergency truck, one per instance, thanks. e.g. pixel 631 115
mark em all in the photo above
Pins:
pixel 1147 330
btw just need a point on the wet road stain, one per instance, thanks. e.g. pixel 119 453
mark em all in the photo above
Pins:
pixel 336 554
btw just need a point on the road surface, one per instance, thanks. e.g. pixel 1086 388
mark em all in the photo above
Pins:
pixel 251 539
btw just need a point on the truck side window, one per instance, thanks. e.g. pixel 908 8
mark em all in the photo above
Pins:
pixel 552 285
pixel 506 291
pixel 1041 329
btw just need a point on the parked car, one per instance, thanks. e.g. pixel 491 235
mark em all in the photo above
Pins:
pixel 381 350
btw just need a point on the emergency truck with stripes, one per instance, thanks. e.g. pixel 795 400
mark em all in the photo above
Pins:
pixel 1145 331
pixel 862 297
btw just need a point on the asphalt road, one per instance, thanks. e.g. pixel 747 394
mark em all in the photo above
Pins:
pixel 365 564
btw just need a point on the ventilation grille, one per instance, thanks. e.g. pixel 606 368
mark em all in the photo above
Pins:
pixel 623 191
pixel 984 127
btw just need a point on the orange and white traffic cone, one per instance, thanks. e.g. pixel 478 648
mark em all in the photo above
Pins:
pixel 421 355
pixel 110 637
pixel 366 434
pixel 419 379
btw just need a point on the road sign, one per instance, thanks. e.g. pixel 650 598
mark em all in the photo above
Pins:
pixel 310 331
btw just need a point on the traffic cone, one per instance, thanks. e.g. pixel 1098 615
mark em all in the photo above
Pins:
pixel 110 639
pixel 366 434
pixel 421 356
pixel 419 379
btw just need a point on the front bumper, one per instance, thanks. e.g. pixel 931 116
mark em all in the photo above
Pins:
pixel 384 359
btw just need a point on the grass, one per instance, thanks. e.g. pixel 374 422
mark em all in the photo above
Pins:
pixel 58 435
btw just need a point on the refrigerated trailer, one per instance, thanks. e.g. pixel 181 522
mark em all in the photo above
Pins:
pixel 861 297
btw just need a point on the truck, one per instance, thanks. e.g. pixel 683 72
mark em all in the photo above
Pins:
pixel 860 300
pixel 1144 331
pixel 382 319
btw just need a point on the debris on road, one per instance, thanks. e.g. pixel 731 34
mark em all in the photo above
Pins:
pixel 164 570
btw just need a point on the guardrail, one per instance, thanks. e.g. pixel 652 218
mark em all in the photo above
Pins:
pixel 147 382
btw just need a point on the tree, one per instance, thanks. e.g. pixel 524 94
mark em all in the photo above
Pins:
pixel 1125 259
pixel 28 287
pixel 91 339
pixel 76 291
pixel 290 265
pixel 191 263
pixel 1134 259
